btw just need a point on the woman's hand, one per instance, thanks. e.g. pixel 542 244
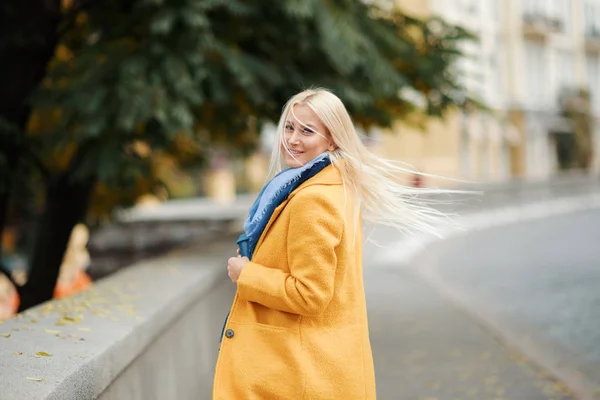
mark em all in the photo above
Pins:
pixel 235 266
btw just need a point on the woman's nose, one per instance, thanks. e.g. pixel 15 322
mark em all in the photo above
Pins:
pixel 293 137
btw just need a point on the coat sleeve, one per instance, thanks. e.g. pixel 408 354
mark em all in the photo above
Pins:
pixel 315 231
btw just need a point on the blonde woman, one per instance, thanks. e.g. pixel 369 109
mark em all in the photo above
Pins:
pixel 298 325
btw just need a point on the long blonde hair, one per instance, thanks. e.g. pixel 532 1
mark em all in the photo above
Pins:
pixel 378 186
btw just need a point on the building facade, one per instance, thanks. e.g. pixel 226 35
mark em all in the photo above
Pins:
pixel 552 48
pixel 474 146
pixel 529 52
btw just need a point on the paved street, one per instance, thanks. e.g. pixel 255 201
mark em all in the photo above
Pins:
pixel 538 280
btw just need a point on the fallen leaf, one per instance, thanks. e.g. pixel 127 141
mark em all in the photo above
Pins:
pixel 52 331
pixel 6 335
pixel 68 320
pixel 84 329
pixel 34 379
pixel 33 321
pixel 43 354
pixel 18 353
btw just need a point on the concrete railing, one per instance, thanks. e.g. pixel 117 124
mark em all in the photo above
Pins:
pixel 151 331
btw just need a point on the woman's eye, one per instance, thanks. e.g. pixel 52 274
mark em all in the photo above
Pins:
pixel 307 131
pixel 289 128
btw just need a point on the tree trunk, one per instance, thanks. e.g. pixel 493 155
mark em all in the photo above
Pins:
pixel 4 198
pixel 66 204
pixel 27 43
pixel 5 191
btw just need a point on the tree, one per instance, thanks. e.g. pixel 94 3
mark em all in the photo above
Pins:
pixel 576 108
pixel 181 75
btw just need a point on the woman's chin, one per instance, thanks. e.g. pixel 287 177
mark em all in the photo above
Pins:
pixel 293 162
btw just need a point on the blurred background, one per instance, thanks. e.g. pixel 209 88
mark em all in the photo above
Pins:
pixel 131 127
pixel 111 105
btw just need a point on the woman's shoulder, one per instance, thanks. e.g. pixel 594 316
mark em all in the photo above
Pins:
pixel 320 192
pixel 323 197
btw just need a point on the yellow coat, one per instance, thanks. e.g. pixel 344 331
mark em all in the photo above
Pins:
pixel 298 325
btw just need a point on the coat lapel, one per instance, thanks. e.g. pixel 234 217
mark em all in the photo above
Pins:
pixel 328 176
pixel 274 216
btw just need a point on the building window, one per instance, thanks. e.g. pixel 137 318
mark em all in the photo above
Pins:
pixel 564 70
pixel 591 16
pixel 493 72
pixel 552 13
pixel 587 15
pixel 562 12
pixel 593 78
pixel 536 74
pixel 534 7
pixel 471 7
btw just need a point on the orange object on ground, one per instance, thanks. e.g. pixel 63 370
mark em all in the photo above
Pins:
pixel 14 303
pixel 9 304
pixel 82 281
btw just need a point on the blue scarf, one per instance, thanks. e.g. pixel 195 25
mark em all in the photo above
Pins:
pixel 272 195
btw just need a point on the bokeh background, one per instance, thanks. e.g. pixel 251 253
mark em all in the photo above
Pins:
pixel 128 128
pixel 110 104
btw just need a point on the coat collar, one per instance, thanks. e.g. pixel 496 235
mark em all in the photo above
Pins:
pixel 329 176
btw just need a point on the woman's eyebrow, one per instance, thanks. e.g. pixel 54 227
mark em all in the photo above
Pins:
pixel 302 124
pixel 308 125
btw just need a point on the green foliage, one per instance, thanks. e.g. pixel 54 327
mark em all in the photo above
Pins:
pixel 578 145
pixel 214 71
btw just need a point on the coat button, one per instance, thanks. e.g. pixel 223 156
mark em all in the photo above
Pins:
pixel 229 333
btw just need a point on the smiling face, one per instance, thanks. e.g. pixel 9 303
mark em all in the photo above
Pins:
pixel 304 137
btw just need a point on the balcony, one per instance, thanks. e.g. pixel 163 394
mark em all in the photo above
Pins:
pixel 538 26
pixel 592 40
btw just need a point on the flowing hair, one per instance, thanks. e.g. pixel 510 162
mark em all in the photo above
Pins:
pixel 378 186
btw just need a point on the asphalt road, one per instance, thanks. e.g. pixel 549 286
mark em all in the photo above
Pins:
pixel 538 281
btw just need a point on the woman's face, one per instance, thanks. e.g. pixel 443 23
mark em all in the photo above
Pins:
pixel 304 141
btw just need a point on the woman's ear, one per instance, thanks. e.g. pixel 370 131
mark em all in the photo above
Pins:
pixel 332 146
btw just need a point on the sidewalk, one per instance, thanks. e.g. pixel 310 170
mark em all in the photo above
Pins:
pixel 425 349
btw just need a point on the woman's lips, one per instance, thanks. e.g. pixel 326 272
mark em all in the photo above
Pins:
pixel 296 153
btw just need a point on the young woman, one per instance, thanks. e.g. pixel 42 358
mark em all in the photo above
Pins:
pixel 298 325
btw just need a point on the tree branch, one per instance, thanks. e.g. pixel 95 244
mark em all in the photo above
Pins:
pixel 38 163
pixel 70 16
